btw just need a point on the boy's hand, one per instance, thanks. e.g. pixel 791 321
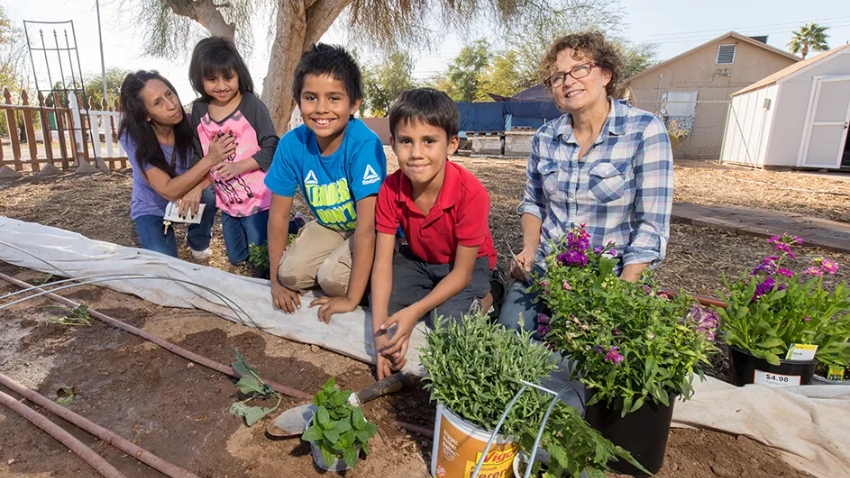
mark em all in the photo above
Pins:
pixel 382 362
pixel 285 299
pixel 396 347
pixel 228 170
pixel 332 305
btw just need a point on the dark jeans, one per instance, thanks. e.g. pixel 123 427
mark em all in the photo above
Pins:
pixel 413 279
pixel 151 229
pixel 238 232
pixel 519 312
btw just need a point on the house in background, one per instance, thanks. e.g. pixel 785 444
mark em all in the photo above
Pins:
pixel 692 91
pixel 797 117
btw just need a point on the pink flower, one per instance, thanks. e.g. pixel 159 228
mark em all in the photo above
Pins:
pixel 774 240
pixel 806 319
pixel 544 284
pixel 797 239
pixel 542 319
pixel 814 271
pixel 566 285
pixel 785 272
pixel 543 330
pixel 614 356
pixel 828 266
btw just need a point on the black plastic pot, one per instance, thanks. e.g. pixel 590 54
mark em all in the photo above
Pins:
pixel 743 367
pixel 260 272
pixel 643 433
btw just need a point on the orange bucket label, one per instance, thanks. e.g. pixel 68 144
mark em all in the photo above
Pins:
pixel 458 454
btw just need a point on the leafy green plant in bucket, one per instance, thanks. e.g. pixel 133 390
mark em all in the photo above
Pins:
pixel 253 387
pixel 338 428
pixel 475 369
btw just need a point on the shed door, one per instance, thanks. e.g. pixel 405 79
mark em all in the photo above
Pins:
pixel 827 128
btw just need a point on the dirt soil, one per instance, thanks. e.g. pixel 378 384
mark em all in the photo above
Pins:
pixel 180 412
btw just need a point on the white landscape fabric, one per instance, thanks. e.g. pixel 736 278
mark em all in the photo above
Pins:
pixel 809 425
pixel 348 334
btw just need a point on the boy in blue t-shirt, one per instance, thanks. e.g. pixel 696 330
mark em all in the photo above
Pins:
pixel 339 164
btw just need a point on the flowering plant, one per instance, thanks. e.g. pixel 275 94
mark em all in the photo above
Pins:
pixel 629 343
pixel 772 307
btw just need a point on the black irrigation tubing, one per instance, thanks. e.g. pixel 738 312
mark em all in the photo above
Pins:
pixel 87 454
pixel 225 369
pixel 107 436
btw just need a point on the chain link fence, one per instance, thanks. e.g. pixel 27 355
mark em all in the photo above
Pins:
pixel 696 127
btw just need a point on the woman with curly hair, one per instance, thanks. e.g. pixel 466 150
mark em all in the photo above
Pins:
pixel 603 163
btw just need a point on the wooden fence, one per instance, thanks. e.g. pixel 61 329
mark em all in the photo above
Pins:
pixel 66 138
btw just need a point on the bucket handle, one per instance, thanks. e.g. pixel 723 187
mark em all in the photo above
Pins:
pixel 525 386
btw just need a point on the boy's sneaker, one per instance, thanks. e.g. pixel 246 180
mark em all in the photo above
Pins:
pixel 498 289
pixel 201 255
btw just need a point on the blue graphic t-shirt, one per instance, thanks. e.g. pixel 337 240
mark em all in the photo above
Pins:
pixel 333 184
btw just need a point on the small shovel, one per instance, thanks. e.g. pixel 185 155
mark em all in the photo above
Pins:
pixel 293 421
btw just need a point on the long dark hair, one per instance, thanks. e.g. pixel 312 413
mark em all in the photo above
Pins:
pixel 134 123
pixel 216 55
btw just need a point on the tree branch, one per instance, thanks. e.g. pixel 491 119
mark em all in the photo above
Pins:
pixel 205 12
pixel 320 16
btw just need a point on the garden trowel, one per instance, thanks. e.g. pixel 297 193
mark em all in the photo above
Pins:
pixel 293 421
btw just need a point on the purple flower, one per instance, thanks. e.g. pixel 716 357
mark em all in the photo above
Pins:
pixel 542 319
pixel 566 285
pixel 785 272
pixel 614 356
pixel 764 287
pixel 573 258
pixel 828 266
pixel 613 252
pixel 597 250
pixel 768 266
pixel 797 240
pixel 599 349
pixel 774 240
pixel 543 330
pixel 814 271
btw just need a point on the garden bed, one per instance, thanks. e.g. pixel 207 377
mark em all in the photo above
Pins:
pixel 180 412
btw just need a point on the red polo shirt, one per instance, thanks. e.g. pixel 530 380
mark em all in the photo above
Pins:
pixel 459 217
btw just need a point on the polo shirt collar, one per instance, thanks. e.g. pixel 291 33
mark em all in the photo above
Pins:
pixel 615 124
pixel 447 197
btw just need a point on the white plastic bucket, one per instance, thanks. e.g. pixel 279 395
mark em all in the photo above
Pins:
pixel 459 445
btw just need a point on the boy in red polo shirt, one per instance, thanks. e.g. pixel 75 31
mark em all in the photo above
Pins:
pixel 443 210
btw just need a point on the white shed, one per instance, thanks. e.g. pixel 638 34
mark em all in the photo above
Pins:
pixel 798 117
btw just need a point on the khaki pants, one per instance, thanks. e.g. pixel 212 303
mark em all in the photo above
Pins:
pixel 318 256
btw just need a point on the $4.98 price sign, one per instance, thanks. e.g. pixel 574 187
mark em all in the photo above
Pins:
pixel 775 379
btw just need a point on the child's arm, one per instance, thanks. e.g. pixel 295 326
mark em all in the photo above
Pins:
pixel 382 285
pixel 278 232
pixel 361 264
pixel 451 285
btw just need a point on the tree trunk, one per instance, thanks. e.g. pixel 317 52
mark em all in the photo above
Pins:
pixel 804 51
pixel 299 24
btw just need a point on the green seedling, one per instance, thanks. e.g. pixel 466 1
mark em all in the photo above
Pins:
pixel 258 256
pixel 65 394
pixel 44 280
pixel 76 316
pixel 338 429
pixel 253 387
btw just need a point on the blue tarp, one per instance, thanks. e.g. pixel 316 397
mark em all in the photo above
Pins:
pixel 501 116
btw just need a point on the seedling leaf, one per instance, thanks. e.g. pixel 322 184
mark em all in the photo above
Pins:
pixel 312 434
pixel 350 457
pixel 65 395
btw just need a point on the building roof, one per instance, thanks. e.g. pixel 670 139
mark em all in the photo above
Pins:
pixel 786 72
pixel 734 35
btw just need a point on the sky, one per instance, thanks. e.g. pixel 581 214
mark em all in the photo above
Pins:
pixel 675 26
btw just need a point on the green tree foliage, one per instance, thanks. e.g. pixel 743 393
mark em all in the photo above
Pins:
pixel 94 85
pixel 810 37
pixel 461 81
pixel 502 77
pixel 382 83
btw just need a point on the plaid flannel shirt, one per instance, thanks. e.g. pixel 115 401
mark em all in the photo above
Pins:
pixel 622 189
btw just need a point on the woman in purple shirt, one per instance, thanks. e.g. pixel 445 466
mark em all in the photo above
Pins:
pixel 158 139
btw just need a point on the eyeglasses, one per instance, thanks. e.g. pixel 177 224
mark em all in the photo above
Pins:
pixel 578 73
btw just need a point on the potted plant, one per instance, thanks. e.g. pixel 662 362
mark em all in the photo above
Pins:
pixel 780 323
pixel 474 370
pixel 635 349
pixel 338 430
pixel 258 259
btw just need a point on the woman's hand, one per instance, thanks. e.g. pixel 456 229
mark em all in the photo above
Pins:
pixel 221 147
pixel 521 267
pixel 188 205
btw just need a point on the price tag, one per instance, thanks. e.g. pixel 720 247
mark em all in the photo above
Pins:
pixel 801 352
pixel 836 373
pixel 775 379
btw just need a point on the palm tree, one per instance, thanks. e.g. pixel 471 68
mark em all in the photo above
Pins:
pixel 810 37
